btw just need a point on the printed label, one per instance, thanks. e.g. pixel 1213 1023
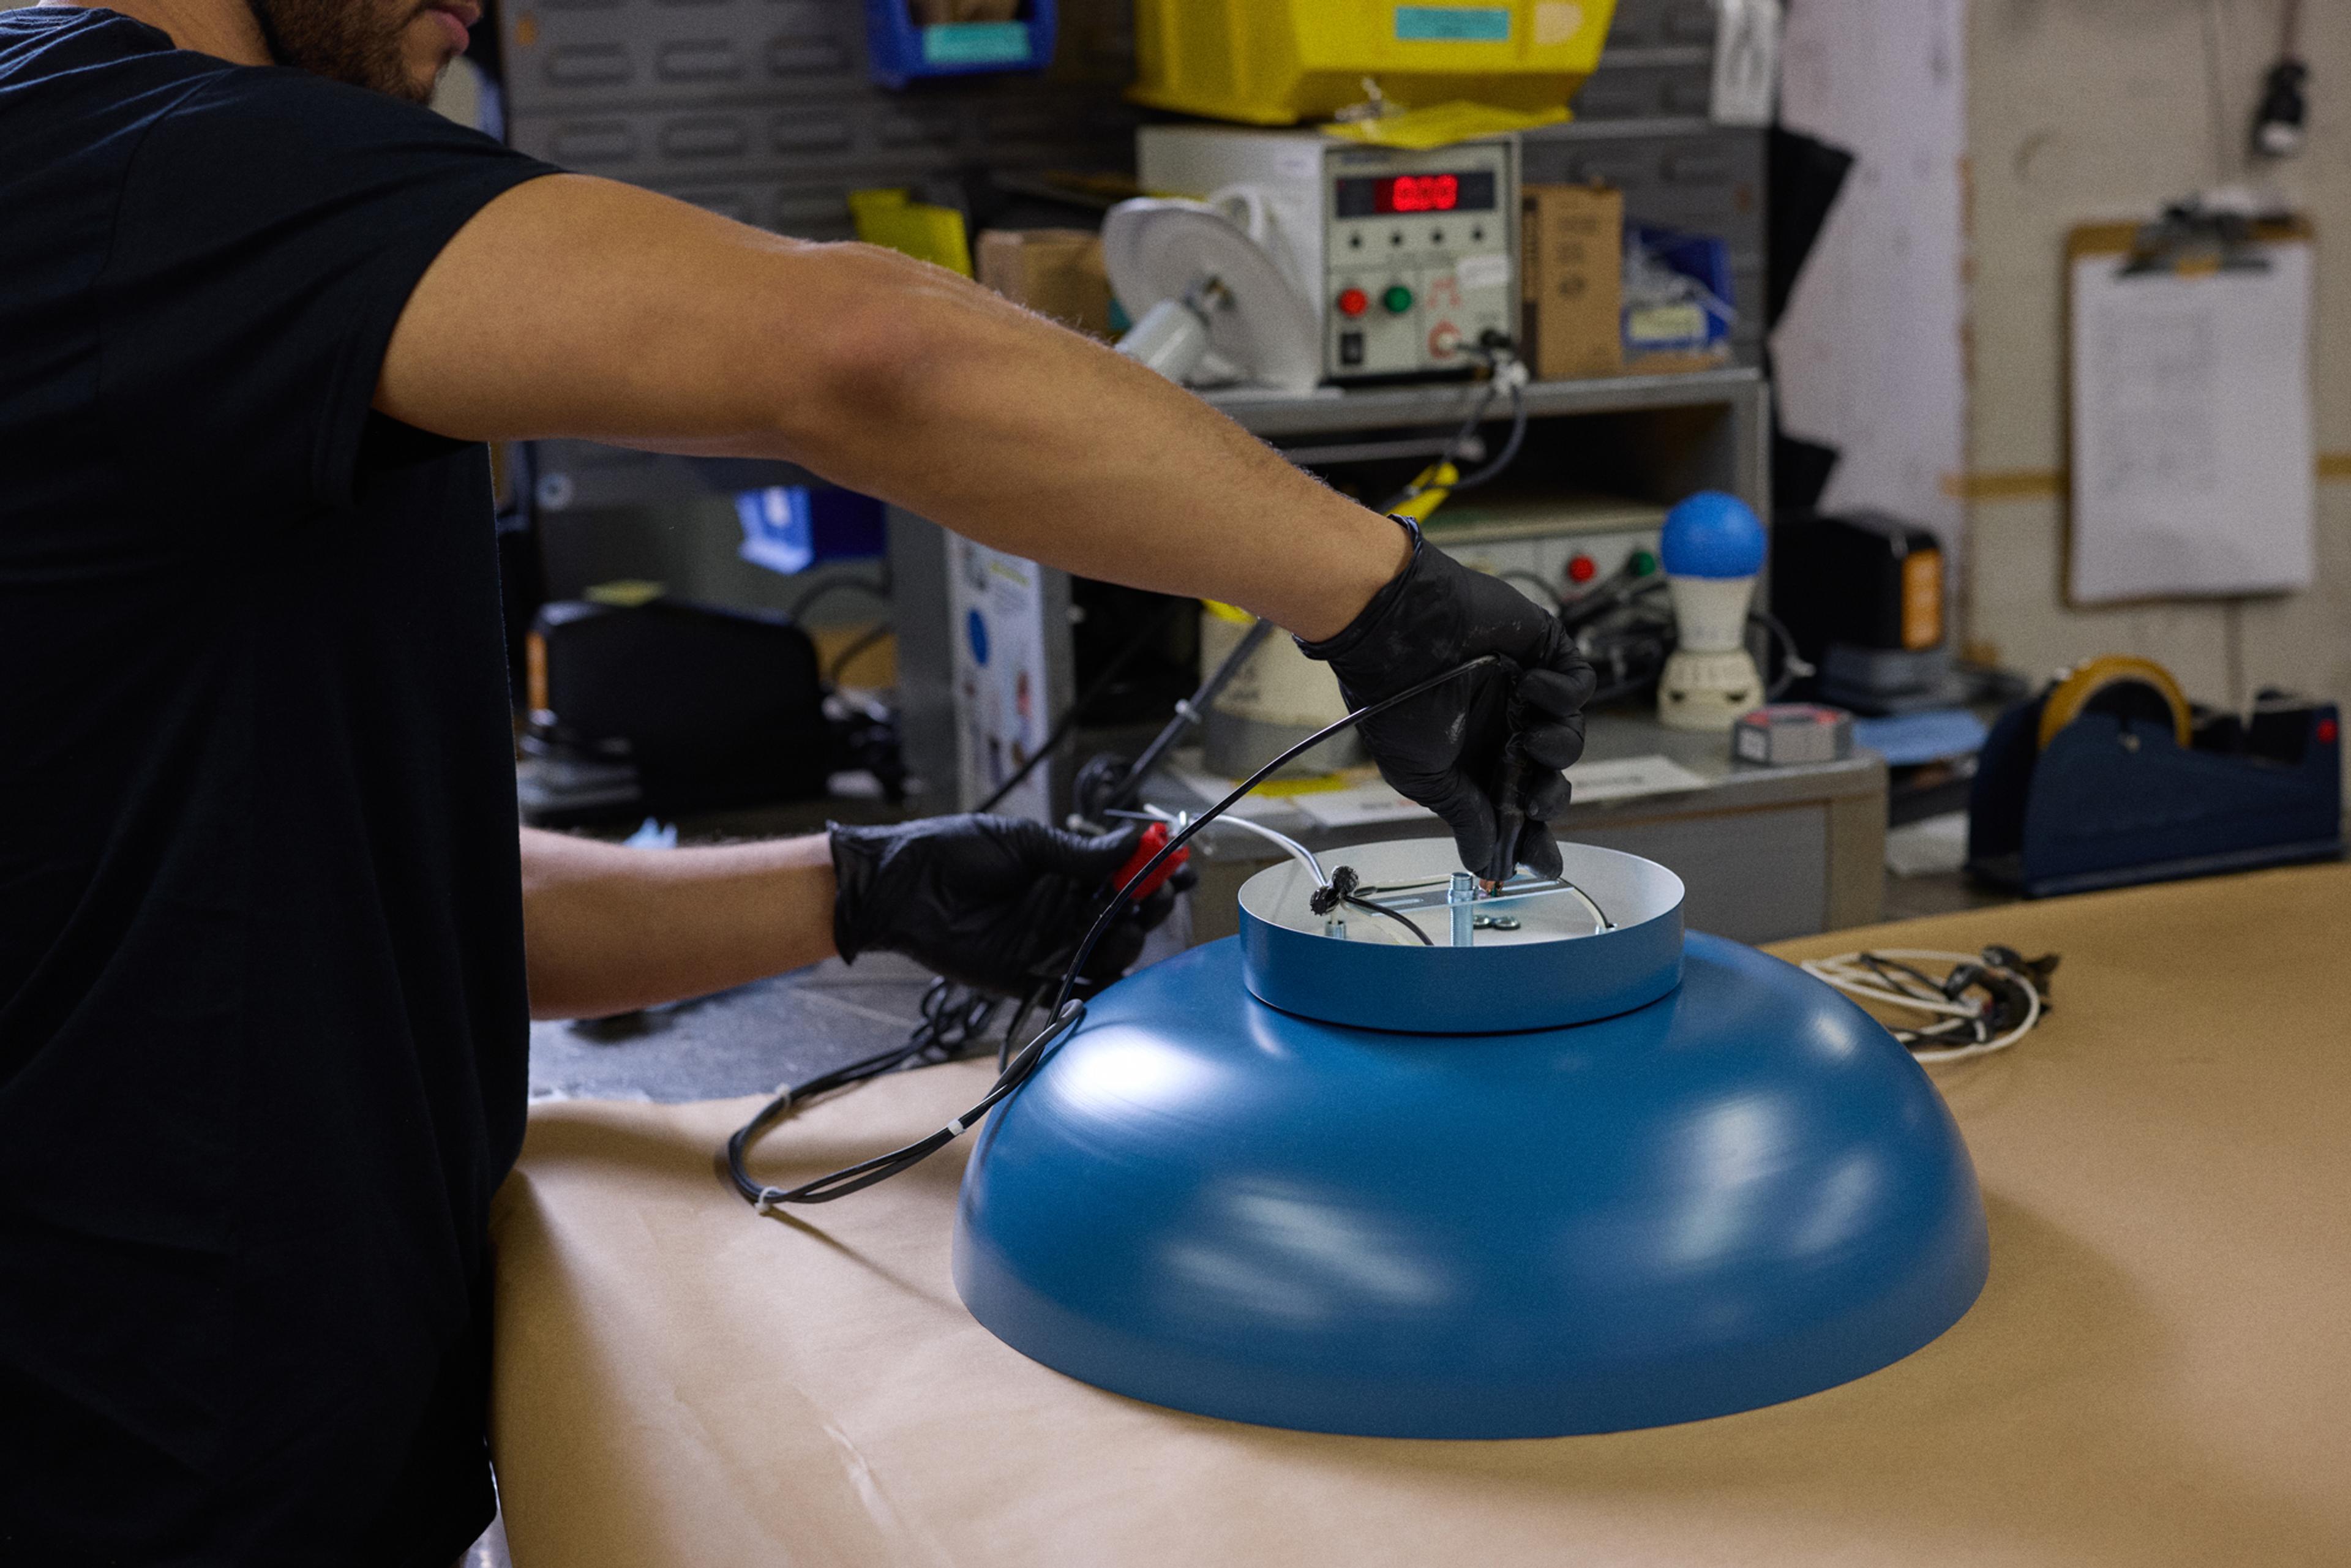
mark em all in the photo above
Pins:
pixel 1489 271
pixel 1453 24
pixel 1649 326
pixel 976 43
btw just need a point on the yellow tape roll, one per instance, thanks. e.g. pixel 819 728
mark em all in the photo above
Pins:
pixel 2084 681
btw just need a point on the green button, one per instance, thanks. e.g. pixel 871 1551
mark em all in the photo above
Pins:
pixel 1643 563
pixel 1398 299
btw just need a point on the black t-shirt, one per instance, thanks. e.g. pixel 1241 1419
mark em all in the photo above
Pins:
pixel 262 1011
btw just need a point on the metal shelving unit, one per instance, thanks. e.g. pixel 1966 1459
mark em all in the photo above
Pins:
pixel 1333 409
pixel 1716 436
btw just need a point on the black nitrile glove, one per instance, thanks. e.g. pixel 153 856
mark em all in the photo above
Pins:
pixel 1447 749
pixel 996 903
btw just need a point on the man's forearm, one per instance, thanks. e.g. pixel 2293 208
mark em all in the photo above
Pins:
pixel 582 308
pixel 1037 440
pixel 607 929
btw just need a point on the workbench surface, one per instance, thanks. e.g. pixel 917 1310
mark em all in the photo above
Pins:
pixel 2155 1374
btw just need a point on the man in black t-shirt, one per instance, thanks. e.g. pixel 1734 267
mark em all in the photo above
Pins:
pixel 268 937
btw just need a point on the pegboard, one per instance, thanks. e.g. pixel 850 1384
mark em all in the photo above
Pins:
pixel 761 109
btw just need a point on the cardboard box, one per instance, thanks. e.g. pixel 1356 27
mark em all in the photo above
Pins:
pixel 1570 280
pixel 1054 272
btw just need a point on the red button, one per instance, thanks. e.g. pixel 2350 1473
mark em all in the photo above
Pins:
pixel 1353 302
pixel 2325 732
pixel 1583 568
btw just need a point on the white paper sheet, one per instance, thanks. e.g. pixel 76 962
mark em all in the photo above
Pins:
pixel 1629 777
pixel 2191 440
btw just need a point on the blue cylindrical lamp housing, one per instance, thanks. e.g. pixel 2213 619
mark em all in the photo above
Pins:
pixel 1738 1192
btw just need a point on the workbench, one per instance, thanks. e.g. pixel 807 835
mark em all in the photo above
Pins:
pixel 2154 1375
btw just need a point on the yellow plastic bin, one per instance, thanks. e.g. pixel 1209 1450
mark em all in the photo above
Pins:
pixel 1277 62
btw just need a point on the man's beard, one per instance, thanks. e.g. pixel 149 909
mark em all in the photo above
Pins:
pixel 345 40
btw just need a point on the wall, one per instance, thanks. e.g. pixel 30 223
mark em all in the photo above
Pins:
pixel 1868 356
pixel 2086 109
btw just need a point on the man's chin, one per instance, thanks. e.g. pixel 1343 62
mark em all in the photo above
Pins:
pixel 417 82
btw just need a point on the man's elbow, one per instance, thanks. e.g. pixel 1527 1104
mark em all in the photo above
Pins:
pixel 861 352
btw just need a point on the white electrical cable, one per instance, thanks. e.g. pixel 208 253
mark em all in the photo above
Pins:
pixel 1296 851
pixel 1849 973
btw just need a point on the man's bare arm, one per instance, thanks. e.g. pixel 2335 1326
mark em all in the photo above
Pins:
pixel 607 929
pixel 578 307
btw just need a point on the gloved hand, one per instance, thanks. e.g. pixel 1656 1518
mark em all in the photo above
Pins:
pixel 996 903
pixel 1449 749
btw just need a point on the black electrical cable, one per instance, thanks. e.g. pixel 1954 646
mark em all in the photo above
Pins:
pixel 1399 915
pixel 1620 590
pixel 1460 439
pixel 1240 792
pixel 1125 787
pixel 1157 626
pixel 954 1017
pixel 857 645
pixel 1344 887
pixel 1635 647
pixel 1019 1016
pixel 1067 1012
pixel 1892 970
pixel 1123 782
pixel 1520 574
pixel 798 608
pixel 1517 438
pixel 1014 1071
pixel 1793 664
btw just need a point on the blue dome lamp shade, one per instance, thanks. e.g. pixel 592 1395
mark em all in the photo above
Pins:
pixel 1712 548
pixel 1562 1170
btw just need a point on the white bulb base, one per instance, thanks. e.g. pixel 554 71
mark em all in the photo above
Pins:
pixel 1707 690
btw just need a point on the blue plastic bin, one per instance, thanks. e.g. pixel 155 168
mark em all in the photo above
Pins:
pixel 900 51
pixel 1705 261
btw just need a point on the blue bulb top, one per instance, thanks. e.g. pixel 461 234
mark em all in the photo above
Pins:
pixel 1712 535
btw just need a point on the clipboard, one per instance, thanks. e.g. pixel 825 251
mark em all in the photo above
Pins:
pixel 2190 461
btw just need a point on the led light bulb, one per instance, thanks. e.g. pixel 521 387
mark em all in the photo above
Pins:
pixel 1713 548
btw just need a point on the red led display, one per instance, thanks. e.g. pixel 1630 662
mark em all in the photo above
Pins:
pixel 1389 195
pixel 1419 194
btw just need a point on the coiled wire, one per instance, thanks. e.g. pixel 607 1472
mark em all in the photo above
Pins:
pixel 1067 1012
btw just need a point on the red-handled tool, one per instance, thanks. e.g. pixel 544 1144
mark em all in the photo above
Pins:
pixel 1154 839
